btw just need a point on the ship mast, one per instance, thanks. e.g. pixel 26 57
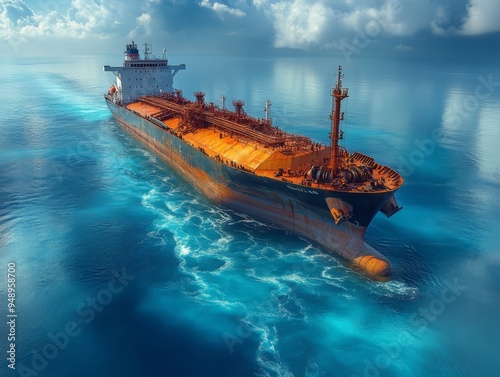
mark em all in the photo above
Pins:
pixel 147 51
pixel 338 94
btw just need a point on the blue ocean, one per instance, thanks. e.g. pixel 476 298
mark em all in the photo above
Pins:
pixel 123 269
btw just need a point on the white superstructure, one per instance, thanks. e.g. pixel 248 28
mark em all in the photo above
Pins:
pixel 140 77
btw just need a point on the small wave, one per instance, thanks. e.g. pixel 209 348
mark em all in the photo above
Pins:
pixel 268 356
pixel 184 250
pixel 394 289
pixel 146 197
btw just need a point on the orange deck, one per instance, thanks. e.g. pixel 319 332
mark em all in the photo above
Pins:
pixel 253 156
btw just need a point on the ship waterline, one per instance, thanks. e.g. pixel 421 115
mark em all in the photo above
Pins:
pixel 320 192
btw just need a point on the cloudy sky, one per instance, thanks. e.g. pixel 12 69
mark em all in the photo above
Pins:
pixel 253 26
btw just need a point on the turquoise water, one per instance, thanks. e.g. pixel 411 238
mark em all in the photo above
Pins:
pixel 123 269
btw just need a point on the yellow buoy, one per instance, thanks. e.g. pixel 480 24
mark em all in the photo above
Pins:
pixel 373 266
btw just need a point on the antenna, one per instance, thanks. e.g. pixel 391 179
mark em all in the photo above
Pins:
pixel 147 51
pixel 267 110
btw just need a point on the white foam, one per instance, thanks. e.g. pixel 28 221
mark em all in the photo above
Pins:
pixel 146 197
pixel 209 237
pixel 268 356
pixel 184 250
pixel 394 288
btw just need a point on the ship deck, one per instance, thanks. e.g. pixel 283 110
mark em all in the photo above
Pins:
pixel 255 146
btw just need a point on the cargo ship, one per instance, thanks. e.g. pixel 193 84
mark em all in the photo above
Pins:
pixel 319 191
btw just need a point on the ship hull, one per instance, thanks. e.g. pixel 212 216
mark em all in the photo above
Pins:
pixel 298 209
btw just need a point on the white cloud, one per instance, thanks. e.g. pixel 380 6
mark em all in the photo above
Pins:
pixel 482 17
pixel 222 9
pixel 82 19
pixel 307 24
pixel 77 19
pixel 144 20
pixel 13 15
pixel 144 23
pixel 321 23
pixel 299 23
pixel 403 48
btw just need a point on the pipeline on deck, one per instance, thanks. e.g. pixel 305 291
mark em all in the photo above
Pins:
pixel 194 115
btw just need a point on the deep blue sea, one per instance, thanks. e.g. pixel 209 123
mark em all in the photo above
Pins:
pixel 122 269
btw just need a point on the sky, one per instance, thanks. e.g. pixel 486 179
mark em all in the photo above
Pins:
pixel 349 27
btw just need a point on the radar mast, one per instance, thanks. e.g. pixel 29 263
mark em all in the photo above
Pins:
pixel 338 94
